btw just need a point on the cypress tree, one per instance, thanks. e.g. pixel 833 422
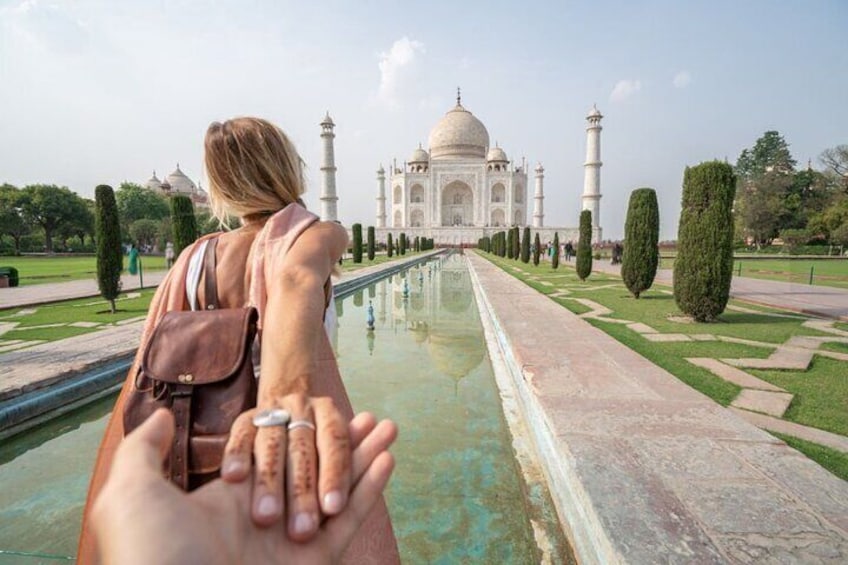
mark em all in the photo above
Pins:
pixel 417 243
pixel 641 235
pixel 372 244
pixel 389 246
pixel 584 246
pixel 107 228
pixel 525 246
pixel 402 247
pixel 357 243
pixel 184 223
pixel 704 265
pixel 555 257
pixel 537 252
pixel 516 243
pixel 509 237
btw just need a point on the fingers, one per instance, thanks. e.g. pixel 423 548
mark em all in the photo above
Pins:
pixel 359 427
pixel 235 467
pixel 269 449
pixel 378 440
pixel 333 443
pixel 146 447
pixel 302 472
pixel 366 493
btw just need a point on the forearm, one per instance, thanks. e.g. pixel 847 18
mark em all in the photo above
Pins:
pixel 291 329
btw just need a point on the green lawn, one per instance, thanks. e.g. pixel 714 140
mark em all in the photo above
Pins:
pixel 31 321
pixel 826 272
pixel 38 270
pixel 821 392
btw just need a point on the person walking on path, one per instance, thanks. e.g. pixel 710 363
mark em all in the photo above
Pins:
pixel 169 254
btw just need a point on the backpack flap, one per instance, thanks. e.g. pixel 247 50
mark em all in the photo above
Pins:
pixel 198 348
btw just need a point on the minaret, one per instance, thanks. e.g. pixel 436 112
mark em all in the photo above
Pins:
pixel 592 171
pixel 539 198
pixel 381 197
pixel 329 212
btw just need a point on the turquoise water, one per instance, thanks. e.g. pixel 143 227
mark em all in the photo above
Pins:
pixel 457 495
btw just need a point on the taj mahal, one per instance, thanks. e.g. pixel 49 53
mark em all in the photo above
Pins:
pixel 461 188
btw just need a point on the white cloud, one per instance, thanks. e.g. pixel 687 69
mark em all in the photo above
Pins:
pixel 682 79
pixel 396 67
pixel 624 89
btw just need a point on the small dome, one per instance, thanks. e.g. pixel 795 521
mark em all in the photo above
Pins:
pixel 419 156
pixel 180 183
pixel 496 154
pixel 594 112
pixel 328 121
pixel 459 134
pixel 154 183
pixel 381 170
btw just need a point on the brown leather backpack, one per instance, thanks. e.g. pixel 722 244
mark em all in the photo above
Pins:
pixel 197 364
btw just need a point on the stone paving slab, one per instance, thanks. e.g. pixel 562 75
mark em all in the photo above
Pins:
pixel 643 468
pixel 764 401
pixel 42 365
pixel 834 441
pixel 732 374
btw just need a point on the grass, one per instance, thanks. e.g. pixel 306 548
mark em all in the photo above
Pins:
pixel 837 347
pixel 834 461
pixel 39 270
pixel 821 392
pixel 826 272
pixel 93 310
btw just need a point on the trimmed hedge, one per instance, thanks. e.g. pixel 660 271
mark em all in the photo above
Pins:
pixel 704 265
pixel 107 229
pixel 184 223
pixel 555 257
pixel 537 250
pixel 372 243
pixel 584 246
pixel 357 243
pixel 641 235
pixel 525 246
pixel 390 246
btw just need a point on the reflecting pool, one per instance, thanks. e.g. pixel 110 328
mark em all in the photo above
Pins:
pixel 457 496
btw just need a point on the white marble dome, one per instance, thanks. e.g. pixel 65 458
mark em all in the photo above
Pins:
pixel 458 135
pixel 419 156
pixel 496 154
pixel 154 183
pixel 180 183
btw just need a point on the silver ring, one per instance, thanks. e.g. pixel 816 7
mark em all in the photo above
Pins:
pixel 301 424
pixel 272 417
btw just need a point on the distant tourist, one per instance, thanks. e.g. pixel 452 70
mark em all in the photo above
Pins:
pixel 169 254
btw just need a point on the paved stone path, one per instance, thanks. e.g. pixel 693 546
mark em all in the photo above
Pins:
pixel 643 468
pixel 52 292
pixel 826 301
pixel 756 395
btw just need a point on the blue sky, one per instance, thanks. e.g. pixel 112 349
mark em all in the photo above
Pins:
pixel 100 91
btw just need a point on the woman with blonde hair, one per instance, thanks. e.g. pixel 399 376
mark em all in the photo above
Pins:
pixel 280 261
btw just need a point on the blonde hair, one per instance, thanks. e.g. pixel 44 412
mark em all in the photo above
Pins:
pixel 253 168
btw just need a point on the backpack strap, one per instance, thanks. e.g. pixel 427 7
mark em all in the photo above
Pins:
pixel 210 279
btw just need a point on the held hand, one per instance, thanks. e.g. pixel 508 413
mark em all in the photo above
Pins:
pixel 142 518
pixel 303 469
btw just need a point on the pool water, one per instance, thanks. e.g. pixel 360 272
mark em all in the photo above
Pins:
pixel 457 495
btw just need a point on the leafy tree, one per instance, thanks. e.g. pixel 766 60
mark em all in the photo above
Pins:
pixel 48 206
pixel 555 258
pixel 136 202
pixel 704 265
pixel 389 246
pixel 372 244
pixel 144 231
pixel 525 246
pixel 641 235
pixel 793 238
pixel 357 243
pixel 80 221
pixel 12 220
pixel 836 161
pixel 108 236
pixel 584 246
pixel 760 204
pixel 184 223
pixel 839 236
pixel 537 250
pixel 769 154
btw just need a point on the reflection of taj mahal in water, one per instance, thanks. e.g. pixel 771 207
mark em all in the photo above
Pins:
pixel 439 313
pixel 464 188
